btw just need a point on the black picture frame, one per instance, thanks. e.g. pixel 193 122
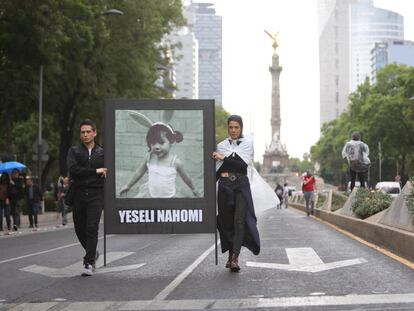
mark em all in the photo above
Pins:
pixel 124 141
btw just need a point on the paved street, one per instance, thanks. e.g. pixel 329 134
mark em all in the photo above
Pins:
pixel 303 265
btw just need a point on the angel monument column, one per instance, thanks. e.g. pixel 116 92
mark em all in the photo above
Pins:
pixel 276 158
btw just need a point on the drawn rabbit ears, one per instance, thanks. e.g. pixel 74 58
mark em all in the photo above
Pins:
pixel 146 122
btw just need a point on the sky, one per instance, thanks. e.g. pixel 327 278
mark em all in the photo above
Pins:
pixel 247 53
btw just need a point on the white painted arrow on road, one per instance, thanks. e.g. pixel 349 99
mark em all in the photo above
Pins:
pixel 76 268
pixel 306 260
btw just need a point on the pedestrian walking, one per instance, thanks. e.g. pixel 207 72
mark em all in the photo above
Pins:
pixel 236 218
pixel 357 152
pixel 63 187
pixel 285 195
pixel 34 198
pixel 16 195
pixel 4 200
pixel 85 164
pixel 279 193
pixel 309 187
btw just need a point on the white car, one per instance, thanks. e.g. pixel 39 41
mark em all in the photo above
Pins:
pixel 392 188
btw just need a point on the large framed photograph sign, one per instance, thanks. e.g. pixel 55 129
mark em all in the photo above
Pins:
pixel 161 177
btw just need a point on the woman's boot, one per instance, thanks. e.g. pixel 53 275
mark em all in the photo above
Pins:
pixel 234 265
pixel 228 263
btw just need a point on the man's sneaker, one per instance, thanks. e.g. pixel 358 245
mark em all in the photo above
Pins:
pixel 87 270
pixel 96 260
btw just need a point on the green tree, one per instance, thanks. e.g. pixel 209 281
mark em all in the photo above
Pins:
pixel 221 123
pixel 298 165
pixel 87 56
pixel 384 114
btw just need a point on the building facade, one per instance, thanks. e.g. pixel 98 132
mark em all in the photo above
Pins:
pixel 370 25
pixel 207 28
pixel 348 30
pixel 185 62
pixel 391 52
pixel 334 43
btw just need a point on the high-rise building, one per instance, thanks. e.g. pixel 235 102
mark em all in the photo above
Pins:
pixel 207 28
pixel 185 60
pixel 333 57
pixel 399 52
pixel 348 30
pixel 370 25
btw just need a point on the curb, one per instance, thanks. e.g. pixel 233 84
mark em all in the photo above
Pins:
pixel 395 240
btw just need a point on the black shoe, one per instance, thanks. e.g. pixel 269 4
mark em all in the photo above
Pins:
pixel 15 228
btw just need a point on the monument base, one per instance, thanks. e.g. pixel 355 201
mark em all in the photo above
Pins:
pixel 275 162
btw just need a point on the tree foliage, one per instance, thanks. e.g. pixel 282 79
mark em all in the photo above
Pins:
pixel 87 55
pixel 384 114
pixel 221 123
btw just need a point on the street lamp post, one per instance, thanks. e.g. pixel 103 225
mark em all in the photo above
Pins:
pixel 39 137
pixel 379 159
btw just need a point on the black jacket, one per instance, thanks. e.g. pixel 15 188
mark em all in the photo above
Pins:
pixel 16 191
pixel 37 194
pixel 82 169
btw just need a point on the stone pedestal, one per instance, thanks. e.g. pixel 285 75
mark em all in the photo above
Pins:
pixel 275 162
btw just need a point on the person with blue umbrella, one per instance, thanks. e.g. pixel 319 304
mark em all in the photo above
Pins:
pixel 9 166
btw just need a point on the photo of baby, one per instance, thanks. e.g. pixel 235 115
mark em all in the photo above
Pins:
pixel 155 160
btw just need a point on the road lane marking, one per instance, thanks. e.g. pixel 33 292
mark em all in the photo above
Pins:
pixel 170 287
pixel 75 268
pixel 216 304
pixel 47 251
pixel 303 256
pixel 305 259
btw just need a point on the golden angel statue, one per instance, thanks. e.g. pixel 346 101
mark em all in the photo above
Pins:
pixel 274 38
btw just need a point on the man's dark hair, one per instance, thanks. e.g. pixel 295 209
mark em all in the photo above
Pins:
pixel 88 122
pixel 356 136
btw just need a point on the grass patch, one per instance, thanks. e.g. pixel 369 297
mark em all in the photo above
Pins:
pixel 337 202
pixel 321 199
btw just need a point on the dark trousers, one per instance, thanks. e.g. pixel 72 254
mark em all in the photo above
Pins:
pixel 361 178
pixel 33 210
pixel 87 210
pixel 233 211
pixel 15 212
pixel 4 208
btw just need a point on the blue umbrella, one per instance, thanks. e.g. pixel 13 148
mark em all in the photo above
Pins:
pixel 10 166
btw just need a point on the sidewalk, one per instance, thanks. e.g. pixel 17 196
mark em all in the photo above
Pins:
pixel 46 222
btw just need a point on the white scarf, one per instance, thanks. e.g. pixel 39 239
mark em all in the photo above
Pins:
pixel 244 149
pixel 263 195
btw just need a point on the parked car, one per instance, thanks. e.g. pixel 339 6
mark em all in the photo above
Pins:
pixel 392 188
